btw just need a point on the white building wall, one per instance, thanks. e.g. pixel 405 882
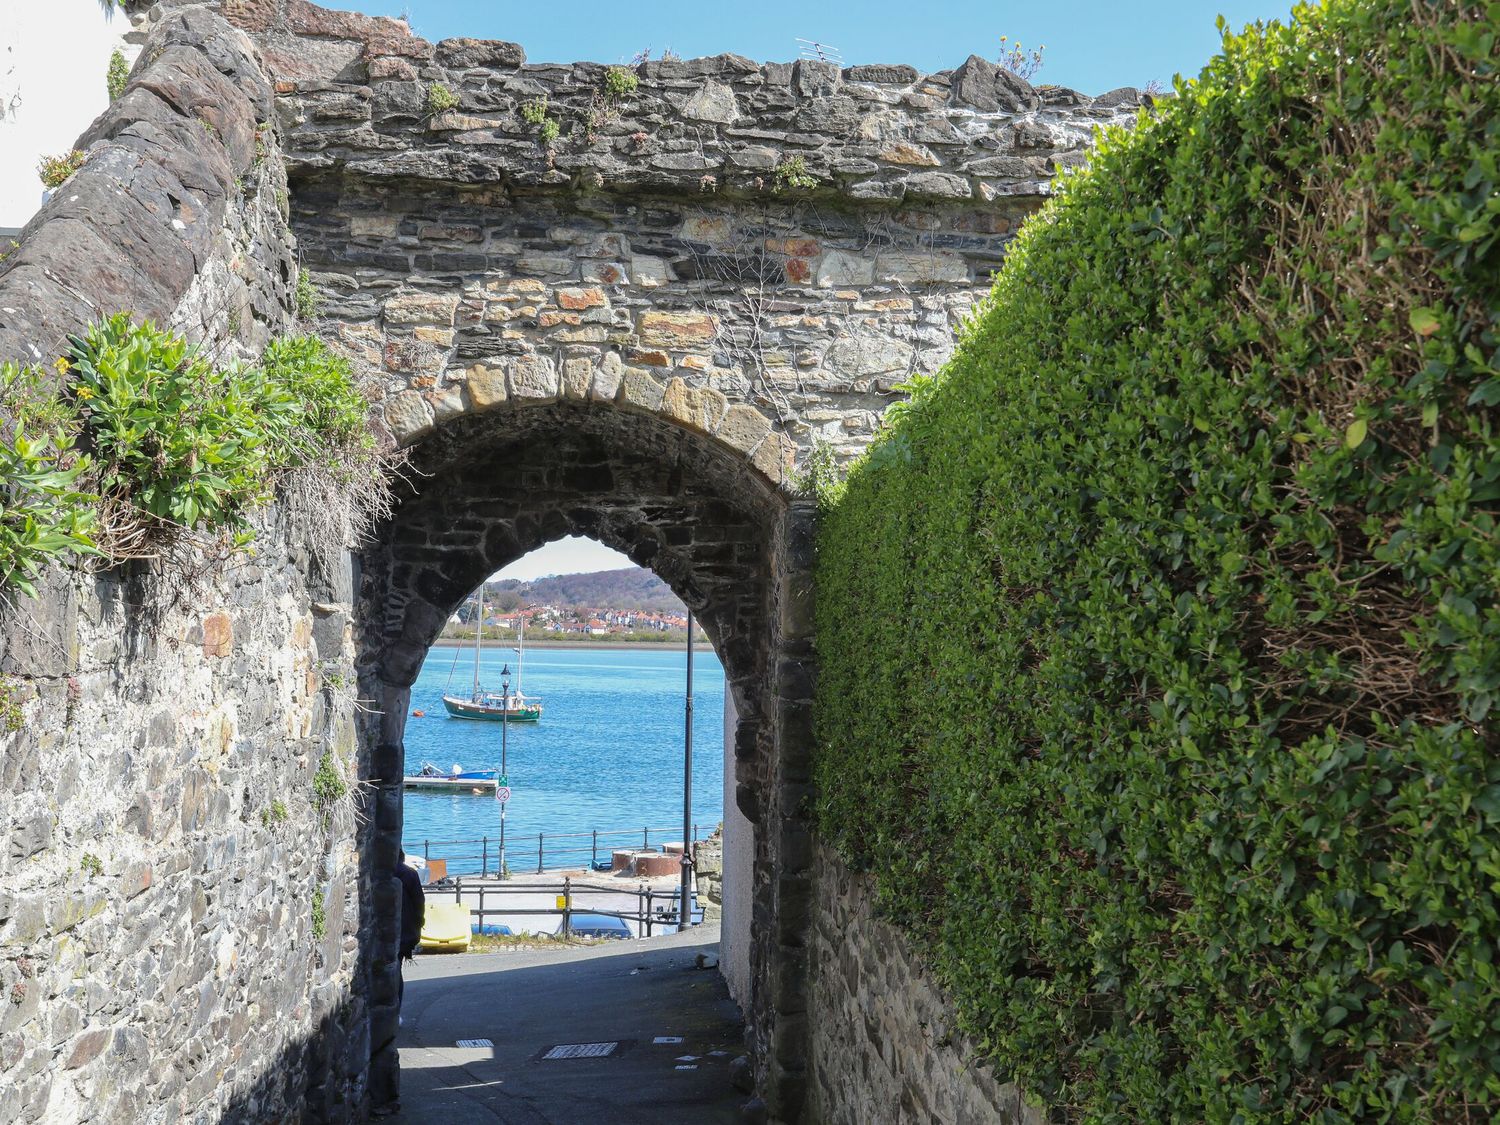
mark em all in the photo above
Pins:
pixel 53 59
pixel 739 875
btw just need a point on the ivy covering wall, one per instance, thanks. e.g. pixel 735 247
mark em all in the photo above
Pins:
pixel 1159 634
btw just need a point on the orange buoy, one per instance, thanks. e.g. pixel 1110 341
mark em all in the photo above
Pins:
pixel 420 714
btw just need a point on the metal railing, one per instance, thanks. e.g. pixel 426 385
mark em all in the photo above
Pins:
pixel 577 849
pixel 569 899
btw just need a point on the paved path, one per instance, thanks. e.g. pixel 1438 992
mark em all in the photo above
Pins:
pixel 629 991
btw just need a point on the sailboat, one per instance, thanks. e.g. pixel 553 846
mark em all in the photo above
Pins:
pixel 510 706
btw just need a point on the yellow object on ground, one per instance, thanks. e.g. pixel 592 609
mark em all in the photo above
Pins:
pixel 446 927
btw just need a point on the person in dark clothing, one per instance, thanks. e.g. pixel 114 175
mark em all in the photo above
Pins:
pixel 413 914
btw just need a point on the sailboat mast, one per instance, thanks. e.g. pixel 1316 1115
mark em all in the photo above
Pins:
pixel 520 648
pixel 478 633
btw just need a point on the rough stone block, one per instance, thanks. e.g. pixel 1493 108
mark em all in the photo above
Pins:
pixel 415 307
pixel 486 386
pixel 838 268
pixel 698 408
pixel 909 154
pixel 676 330
pixel 577 375
pixel 743 428
pixel 774 457
pixel 641 390
pixel 218 635
pixel 408 417
pixel 937 266
pixel 534 379
pixel 713 101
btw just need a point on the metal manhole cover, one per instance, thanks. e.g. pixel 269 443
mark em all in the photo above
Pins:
pixel 581 1051
pixel 474 1043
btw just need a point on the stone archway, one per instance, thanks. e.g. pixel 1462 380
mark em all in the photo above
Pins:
pixel 645 477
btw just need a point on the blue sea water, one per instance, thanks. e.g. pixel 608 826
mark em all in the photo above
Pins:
pixel 607 753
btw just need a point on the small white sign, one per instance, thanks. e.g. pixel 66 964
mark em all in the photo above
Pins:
pixel 502 793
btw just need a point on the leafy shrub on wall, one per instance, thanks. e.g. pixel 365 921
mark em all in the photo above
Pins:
pixel 1160 635
pixel 145 441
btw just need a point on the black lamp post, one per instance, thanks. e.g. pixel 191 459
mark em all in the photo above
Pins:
pixel 684 909
pixel 504 776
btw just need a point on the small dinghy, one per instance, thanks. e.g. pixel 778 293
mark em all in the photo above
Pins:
pixel 456 780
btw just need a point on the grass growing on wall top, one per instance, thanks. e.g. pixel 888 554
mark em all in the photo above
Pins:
pixel 1159 636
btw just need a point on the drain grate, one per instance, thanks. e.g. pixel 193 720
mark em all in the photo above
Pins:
pixel 581 1051
pixel 474 1043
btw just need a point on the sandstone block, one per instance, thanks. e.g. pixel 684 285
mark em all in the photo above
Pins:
pixel 577 374
pixel 608 378
pixel 649 272
pixel 698 408
pixel 534 378
pixel 774 457
pixel 743 427
pixel 938 185
pixel 919 267
pixel 641 390
pixel 676 330
pixel 218 635
pixel 414 307
pixel 581 298
pixel 909 154
pixel 408 416
pixel 486 386
pixel 858 357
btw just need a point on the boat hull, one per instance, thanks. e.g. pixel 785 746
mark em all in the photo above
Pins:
pixel 468 709
pixel 442 784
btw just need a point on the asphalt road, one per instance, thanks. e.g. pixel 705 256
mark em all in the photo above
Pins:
pixel 630 992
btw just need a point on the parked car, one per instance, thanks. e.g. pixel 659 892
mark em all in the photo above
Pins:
pixel 597 926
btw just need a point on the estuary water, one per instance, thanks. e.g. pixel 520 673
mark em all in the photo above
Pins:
pixel 607 753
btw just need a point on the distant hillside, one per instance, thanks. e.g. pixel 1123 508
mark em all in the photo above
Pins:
pixel 633 587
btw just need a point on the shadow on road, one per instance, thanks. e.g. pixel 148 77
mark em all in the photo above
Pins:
pixel 626 993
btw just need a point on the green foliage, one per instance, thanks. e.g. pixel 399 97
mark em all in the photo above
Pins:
pixel 792 174
pixel 440 98
pixel 91 864
pixel 55 170
pixel 534 112
pixel 12 718
pixel 329 785
pixel 274 813
pixel 618 82
pixel 319 915
pixel 45 511
pixel 1160 635
pixel 305 298
pixel 323 386
pixel 117 74
pixel 185 443
pixel 549 131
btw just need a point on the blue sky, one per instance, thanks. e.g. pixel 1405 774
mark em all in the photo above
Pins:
pixel 1092 45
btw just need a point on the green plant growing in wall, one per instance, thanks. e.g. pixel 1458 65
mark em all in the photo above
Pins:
pixel 534 111
pixel 328 786
pixel 117 74
pixel 305 297
pixel 274 813
pixel 12 717
pixel 1018 60
pixel 619 82
pixel 549 132
pixel 54 171
pixel 792 175
pixel 46 506
pixel 319 915
pixel 440 99
pixel 91 865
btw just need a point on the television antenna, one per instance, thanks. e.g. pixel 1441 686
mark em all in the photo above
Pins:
pixel 822 52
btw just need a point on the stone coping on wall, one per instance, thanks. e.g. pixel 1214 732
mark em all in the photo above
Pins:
pixel 365 95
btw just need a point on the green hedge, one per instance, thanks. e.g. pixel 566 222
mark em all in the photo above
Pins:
pixel 1159 634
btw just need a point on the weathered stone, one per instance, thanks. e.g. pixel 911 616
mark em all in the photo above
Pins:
pixel 641 390
pixel 486 386
pixel 409 417
pixel 863 356
pixel 837 268
pixel 577 375
pixel 743 427
pixel 909 154
pixel 713 101
pixel 676 330
pixel 697 408
pixel 882 74
pixel 414 307
pixel 463 54
pixel 534 378
pixel 581 298
pixel 935 267
pixel 218 635
pixel 938 185
pixel 608 378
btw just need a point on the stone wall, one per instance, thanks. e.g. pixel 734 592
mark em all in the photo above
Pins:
pixel 162 721
pixel 883 1044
